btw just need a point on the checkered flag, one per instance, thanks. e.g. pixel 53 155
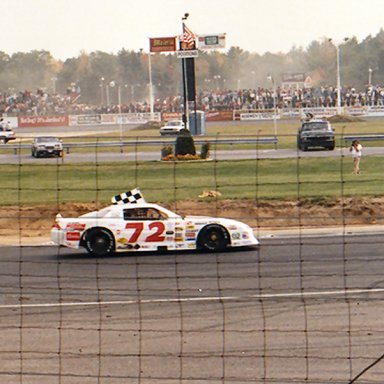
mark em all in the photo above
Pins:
pixel 132 197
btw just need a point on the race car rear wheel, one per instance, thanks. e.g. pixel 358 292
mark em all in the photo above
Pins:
pixel 99 242
pixel 213 238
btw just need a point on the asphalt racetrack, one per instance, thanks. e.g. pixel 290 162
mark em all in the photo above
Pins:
pixel 131 153
pixel 294 310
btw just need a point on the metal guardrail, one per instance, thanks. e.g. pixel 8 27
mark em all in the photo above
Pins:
pixel 364 137
pixel 121 144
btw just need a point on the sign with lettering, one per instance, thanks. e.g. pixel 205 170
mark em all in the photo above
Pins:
pixel 43 121
pixel 162 44
pixel 187 54
pixel 214 41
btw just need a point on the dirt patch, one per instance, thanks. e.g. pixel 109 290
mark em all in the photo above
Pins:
pixel 37 220
pixel 345 119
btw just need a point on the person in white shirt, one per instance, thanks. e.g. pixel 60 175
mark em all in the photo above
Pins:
pixel 356 149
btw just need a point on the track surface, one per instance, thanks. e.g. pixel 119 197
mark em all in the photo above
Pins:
pixel 295 310
pixel 131 153
pixel 299 310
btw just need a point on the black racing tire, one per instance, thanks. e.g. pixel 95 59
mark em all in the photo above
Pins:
pixel 302 147
pixel 99 242
pixel 213 238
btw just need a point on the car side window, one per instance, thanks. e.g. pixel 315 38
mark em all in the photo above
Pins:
pixel 155 214
pixel 142 214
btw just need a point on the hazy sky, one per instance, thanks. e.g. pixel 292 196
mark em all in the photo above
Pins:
pixel 65 27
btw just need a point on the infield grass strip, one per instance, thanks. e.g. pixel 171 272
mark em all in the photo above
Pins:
pixel 313 178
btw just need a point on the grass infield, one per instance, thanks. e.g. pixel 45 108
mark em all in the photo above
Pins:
pixel 314 178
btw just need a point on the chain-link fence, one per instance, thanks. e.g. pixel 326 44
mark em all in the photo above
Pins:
pixel 304 307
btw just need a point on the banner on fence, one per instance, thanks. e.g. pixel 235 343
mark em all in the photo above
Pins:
pixel 111 119
pixel 219 115
pixel 376 110
pixel 42 121
pixel 167 116
pixel 259 116
pixel 78 120
pixel 323 112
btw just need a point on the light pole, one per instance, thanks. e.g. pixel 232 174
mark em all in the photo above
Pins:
pixel 271 79
pixel 184 74
pixel 102 91
pixel 54 79
pixel 217 81
pixel 150 85
pixel 370 70
pixel 338 81
pixel 253 73
pixel 338 85
pixel 107 95
pixel 119 118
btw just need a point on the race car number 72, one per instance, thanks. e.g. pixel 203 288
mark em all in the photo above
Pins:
pixel 157 229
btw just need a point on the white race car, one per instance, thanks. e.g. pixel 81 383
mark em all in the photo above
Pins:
pixel 148 227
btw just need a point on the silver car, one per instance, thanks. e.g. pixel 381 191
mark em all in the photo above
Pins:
pixel 172 127
pixel 45 146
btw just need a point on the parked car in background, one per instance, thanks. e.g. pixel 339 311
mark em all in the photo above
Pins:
pixel 45 146
pixel 172 127
pixel 6 133
pixel 315 133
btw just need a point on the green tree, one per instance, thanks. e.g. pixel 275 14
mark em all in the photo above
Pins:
pixel 232 69
pixel 33 70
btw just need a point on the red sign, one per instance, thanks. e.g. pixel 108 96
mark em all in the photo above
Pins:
pixel 219 115
pixel 43 121
pixel 162 44
pixel 166 116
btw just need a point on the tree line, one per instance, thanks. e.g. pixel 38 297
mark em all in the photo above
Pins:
pixel 98 75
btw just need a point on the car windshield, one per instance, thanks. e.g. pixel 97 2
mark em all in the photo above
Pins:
pixel 174 123
pixel 46 139
pixel 316 127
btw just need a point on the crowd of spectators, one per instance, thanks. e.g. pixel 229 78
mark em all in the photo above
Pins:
pixel 41 103
pixel 264 98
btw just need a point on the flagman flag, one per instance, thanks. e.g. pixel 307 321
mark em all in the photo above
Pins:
pixel 132 197
pixel 188 38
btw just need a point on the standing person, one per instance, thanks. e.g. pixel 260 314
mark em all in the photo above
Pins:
pixel 356 149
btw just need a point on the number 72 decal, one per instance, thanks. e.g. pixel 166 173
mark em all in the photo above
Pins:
pixel 156 229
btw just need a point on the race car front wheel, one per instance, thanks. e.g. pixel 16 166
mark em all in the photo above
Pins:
pixel 213 238
pixel 99 242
